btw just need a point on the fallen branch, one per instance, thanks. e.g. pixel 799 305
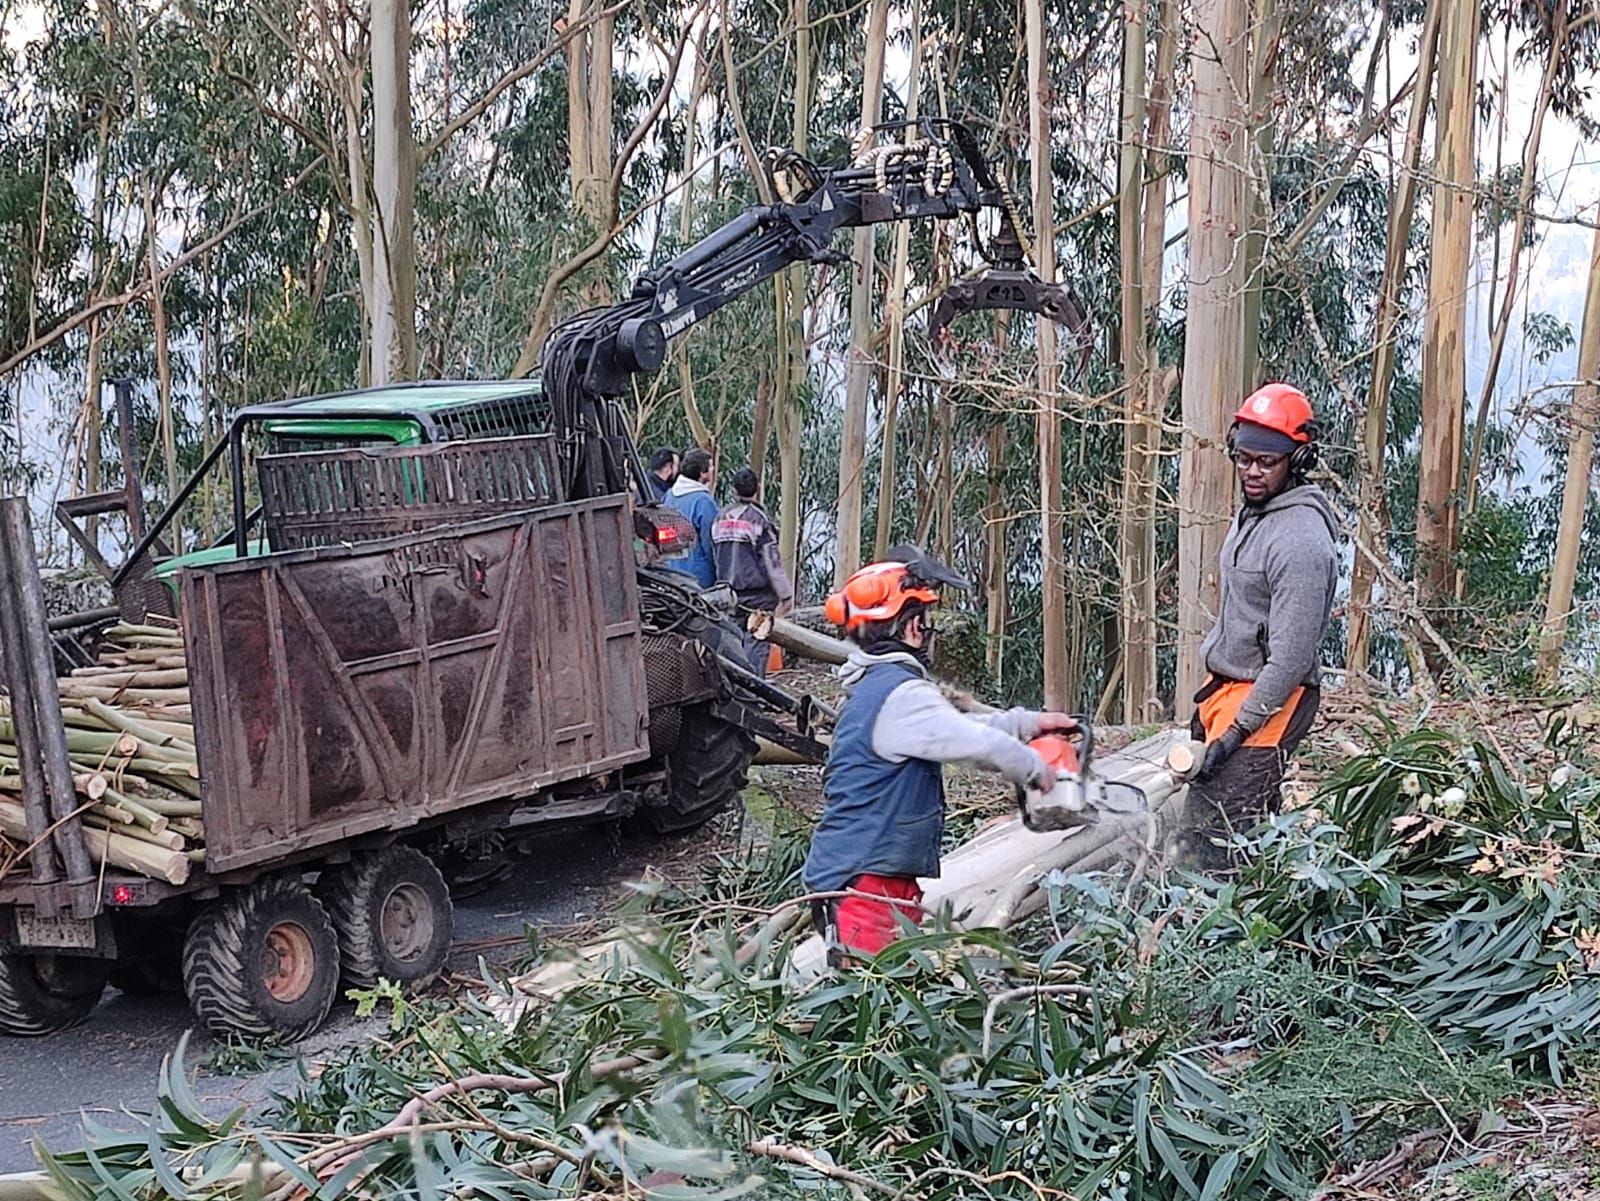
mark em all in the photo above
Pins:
pixel 771 1149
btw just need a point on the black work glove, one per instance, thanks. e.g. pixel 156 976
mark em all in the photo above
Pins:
pixel 1220 750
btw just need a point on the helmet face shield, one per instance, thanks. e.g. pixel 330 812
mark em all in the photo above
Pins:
pixel 881 591
pixel 924 568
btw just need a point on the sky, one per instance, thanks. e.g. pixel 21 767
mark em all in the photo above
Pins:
pixel 1557 266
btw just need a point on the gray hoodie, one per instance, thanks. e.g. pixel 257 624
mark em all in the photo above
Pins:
pixel 918 722
pixel 1279 571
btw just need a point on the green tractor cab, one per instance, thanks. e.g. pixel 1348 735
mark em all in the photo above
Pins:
pixel 405 415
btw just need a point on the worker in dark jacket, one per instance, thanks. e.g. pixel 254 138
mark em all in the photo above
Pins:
pixel 744 547
pixel 691 496
pixel 663 471
pixel 744 544
pixel 883 786
pixel 1278 573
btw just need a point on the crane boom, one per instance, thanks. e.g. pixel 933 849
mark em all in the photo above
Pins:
pixel 939 173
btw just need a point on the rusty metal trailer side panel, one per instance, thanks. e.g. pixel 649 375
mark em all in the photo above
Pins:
pixel 346 690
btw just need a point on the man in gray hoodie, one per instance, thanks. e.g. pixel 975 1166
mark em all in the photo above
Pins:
pixel 1278 573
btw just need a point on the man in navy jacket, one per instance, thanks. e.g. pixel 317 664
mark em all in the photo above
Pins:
pixel 691 496
pixel 884 784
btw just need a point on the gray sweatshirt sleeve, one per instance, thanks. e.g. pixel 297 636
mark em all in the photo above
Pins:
pixel 1299 571
pixel 917 722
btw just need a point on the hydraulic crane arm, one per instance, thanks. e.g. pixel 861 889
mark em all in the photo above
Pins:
pixel 939 173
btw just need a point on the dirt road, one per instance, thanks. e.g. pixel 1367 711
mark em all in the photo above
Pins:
pixel 110 1063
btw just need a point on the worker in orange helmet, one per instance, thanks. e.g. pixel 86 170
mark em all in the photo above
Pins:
pixel 1278 574
pixel 884 787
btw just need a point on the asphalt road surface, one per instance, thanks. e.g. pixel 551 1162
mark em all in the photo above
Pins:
pixel 110 1063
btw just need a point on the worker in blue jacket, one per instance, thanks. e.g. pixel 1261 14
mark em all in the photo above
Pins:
pixel 691 496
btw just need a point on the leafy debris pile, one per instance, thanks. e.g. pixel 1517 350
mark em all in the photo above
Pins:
pixel 1402 956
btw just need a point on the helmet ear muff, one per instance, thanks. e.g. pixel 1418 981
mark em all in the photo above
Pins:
pixel 1304 458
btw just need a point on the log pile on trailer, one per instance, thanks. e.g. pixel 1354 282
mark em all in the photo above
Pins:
pixel 131 745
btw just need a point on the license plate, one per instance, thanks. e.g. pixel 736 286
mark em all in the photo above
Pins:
pixel 36 931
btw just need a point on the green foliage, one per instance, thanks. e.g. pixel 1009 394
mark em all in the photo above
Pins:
pixel 1217 1044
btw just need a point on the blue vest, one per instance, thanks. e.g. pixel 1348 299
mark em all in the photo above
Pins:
pixel 880 817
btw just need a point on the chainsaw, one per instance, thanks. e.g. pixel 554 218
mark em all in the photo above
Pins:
pixel 1078 798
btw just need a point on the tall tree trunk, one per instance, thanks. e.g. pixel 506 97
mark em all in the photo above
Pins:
pixel 895 379
pixel 1585 416
pixel 1052 582
pixel 1267 24
pixel 165 417
pixel 94 406
pixel 1501 324
pixel 1141 695
pixel 1444 347
pixel 589 117
pixel 790 290
pixel 393 311
pixel 858 368
pixel 1213 378
pixel 996 526
pixel 691 146
pixel 1375 420
pixel 1130 234
pixel 761 429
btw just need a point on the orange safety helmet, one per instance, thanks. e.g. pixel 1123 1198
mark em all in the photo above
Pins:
pixel 875 593
pixel 1284 409
pixel 880 591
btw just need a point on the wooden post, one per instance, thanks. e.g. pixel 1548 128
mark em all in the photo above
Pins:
pixel 128 443
pixel 35 803
pixel 27 594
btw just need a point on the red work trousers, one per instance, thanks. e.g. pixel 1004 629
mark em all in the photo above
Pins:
pixel 870 925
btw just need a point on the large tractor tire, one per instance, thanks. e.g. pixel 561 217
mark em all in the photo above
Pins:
pixel 706 772
pixel 392 913
pixel 262 962
pixel 41 993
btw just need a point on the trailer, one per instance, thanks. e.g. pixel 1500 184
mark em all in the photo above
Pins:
pixel 436 653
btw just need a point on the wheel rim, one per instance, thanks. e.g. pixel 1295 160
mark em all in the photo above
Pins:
pixel 288 962
pixel 406 923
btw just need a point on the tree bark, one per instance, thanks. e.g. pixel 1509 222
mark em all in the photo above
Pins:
pixel 93 405
pixel 1266 25
pixel 1053 599
pixel 894 382
pixel 1130 232
pixel 996 525
pixel 790 293
pixel 1575 494
pixel 1444 348
pixel 1375 420
pixel 858 369
pixel 393 309
pixel 166 418
pixel 1140 641
pixel 1213 377
pixel 1519 229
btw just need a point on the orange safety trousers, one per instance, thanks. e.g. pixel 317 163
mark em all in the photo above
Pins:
pixel 1219 703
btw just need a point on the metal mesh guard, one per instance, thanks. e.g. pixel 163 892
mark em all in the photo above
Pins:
pixel 331 498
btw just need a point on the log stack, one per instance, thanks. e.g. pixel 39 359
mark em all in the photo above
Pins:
pixel 130 736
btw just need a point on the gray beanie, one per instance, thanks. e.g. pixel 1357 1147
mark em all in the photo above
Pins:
pixel 1259 440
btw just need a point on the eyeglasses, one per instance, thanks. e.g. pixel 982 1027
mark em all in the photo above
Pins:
pixel 1253 464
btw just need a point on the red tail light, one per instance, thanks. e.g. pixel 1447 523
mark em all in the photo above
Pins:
pixel 122 894
pixel 666 535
